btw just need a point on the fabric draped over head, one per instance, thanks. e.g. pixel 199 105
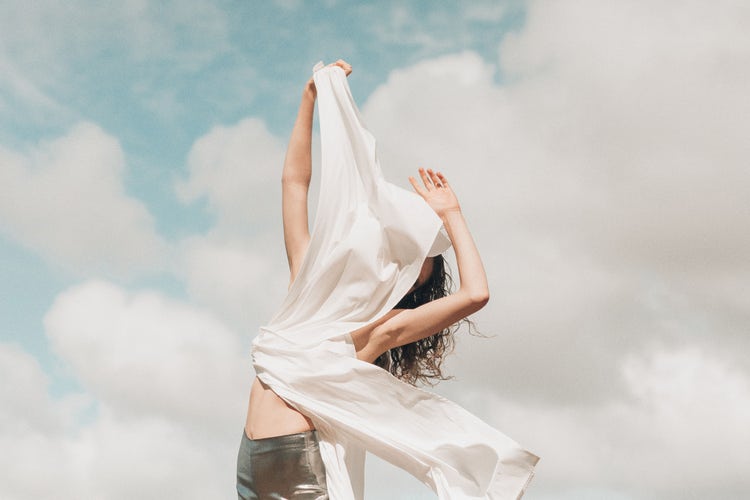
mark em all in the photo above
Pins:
pixel 367 246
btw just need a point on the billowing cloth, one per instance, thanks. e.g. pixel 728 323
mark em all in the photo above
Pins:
pixel 366 249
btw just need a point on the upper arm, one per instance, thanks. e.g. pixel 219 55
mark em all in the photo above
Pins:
pixel 404 326
pixel 411 325
pixel 296 230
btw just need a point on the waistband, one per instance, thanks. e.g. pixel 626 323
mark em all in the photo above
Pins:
pixel 299 439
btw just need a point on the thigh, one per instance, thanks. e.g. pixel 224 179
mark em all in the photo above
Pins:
pixel 245 486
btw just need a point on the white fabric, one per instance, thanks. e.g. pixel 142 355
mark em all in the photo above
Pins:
pixel 366 250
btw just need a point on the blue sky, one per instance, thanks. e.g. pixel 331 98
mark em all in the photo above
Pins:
pixel 159 75
pixel 599 153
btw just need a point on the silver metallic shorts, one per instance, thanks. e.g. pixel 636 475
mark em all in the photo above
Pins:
pixel 281 468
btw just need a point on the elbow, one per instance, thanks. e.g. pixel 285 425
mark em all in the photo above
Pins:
pixel 295 179
pixel 479 298
pixel 383 338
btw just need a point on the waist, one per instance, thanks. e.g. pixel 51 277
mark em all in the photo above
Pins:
pixel 272 343
pixel 298 440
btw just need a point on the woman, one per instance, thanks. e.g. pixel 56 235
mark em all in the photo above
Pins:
pixel 279 455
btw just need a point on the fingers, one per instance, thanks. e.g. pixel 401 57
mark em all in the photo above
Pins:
pixel 432 180
pixel 344 65
pixel 443 180
pixel 416 186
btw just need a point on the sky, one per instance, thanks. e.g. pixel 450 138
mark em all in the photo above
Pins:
pixel 599 151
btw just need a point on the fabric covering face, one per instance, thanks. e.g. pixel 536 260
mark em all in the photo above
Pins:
pixel 366 249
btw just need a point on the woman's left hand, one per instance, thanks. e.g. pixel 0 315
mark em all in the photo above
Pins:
pixel 310 87
pixel 436 191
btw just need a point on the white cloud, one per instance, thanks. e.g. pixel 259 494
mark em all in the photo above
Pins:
pixel 30 427
pixel 681 430
pixel 154 458
pixel 166 393
pixel 23 391
pixel 604 180
pixel 52 450
pixel 678 425
pixel 145 354
pixel 643 106
pixel 592 180
pixel 240 281
pixel 238 170
pixel 238 268
pixel 65 200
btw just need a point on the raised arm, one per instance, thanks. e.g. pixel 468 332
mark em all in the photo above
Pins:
pixel 295 182
pixel 400 327
pixel 295 179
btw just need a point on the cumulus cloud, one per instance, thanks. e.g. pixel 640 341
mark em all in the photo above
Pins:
pixel 237 169
pixel 23 391
pixel 52 449
pixel 601 165
pixel 30 428
pixel 146 354
pixel 237 268
pixel 679 432
pixel 65 200
pixel 239 281
pixel 643 107
pixel 602 179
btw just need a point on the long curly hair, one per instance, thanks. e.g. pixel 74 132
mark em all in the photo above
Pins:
pixel 420 361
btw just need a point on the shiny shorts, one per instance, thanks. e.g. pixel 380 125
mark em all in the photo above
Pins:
pixel 281 468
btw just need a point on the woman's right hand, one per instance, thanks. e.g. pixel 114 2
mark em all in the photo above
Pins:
pixel 310 87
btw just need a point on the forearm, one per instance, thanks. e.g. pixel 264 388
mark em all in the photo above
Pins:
pixel 473 279
pixel 298 160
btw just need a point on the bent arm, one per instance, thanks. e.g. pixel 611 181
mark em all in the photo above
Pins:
pixel 401 327
pixel 295 183
pixel 411 325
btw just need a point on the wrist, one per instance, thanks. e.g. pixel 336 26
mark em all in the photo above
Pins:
pixel 310 92
pixel 450 213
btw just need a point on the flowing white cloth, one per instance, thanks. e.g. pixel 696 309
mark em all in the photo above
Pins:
pixel 366 250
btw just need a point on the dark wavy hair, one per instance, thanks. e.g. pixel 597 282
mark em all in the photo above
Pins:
pixel 420 361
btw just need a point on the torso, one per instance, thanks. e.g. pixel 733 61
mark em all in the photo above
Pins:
pixel 268 415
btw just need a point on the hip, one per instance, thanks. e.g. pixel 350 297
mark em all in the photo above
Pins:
pixel 288 466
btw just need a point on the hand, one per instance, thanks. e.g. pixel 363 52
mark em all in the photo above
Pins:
pixel 436 192
pixel 310 87
pixel 343 65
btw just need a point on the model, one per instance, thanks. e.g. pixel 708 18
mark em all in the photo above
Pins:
pixel 368 315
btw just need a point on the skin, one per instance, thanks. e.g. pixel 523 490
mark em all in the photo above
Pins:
pixel 268 415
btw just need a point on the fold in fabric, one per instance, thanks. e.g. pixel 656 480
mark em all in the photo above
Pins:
pixel 366 250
